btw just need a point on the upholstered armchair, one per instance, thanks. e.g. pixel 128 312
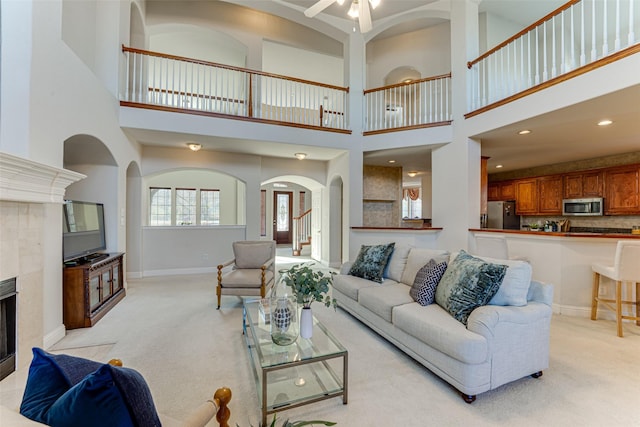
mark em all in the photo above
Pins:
pixel 250 272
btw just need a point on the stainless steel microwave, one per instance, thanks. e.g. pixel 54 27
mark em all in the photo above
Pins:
pixel 583 207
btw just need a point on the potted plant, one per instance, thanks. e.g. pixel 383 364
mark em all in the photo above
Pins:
pixel 309 285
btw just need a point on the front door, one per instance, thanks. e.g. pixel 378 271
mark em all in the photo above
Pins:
pixel 282 216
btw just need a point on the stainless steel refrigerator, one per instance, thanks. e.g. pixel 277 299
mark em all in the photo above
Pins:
pixel 502 215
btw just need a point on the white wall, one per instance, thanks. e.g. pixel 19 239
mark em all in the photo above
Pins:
pixel 428 51
pixel 281 59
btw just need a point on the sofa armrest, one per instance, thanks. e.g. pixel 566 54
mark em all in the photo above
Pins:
pixel 540 292
pixel 345 267
pixel 486 319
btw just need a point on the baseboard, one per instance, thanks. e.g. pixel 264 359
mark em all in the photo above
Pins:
pixel 180 271
pixel 585 312
pixel 53 337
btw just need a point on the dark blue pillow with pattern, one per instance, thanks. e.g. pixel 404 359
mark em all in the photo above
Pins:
pixel 468 283
pixel 423 290
pixel 371 262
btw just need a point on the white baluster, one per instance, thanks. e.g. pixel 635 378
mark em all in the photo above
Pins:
pixel 617 40
pixel 573 40
pixel 605 33
pixel 631 36
pixel 583 40
pixel 553 47
pixel 537 78
pixel 593 31
pixel 545 74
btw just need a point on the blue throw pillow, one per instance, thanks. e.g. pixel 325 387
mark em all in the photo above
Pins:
pixel 50 376
pixel 371 262
pixel 423 290
pixel 468 283
pixel 95 401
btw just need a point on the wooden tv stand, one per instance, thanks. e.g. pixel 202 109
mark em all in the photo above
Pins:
pixel 91 289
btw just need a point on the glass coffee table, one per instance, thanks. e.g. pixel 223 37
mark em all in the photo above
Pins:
pixel 307 371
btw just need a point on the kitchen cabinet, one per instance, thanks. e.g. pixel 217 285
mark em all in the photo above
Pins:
pixel 526 196
pixel 622 190
pixel 550 195
pixel 500 191
pixel 583 184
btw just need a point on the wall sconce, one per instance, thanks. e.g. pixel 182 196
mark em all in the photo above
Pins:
pixel 412 174
pixel 194 147
pixel 300 156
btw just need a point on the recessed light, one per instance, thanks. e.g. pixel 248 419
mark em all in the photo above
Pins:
pixel 300 156
pixel 392 161
pixel 194 147
pixel 412 174
pixel 606 122
pixel 407 81
pixel 524 132
pixel 498 166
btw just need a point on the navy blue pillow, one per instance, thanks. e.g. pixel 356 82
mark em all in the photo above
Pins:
pixel 95 401
pixel 50 376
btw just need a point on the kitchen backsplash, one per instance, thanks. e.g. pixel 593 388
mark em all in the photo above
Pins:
pixel 625 222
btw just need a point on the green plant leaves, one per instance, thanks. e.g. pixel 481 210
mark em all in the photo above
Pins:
pixel 309 285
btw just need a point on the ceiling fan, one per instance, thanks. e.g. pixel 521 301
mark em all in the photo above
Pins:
pixel 360 9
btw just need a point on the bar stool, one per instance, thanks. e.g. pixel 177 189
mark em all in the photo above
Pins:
pixel 625 268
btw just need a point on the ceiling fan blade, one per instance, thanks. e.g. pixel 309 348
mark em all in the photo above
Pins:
pixel 317 8
pixel 365 16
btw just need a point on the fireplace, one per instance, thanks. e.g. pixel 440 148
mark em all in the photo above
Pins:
pixel 7 327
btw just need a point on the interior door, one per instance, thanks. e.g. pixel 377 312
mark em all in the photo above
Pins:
pixel 282 216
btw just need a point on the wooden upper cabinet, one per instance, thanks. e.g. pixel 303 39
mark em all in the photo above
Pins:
pixel 592 184
pixel 584 184
pixel 550 195
pixel 622 190
pixel 526 196
pixel 505 190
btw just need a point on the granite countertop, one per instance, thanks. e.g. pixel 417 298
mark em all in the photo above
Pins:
pixel 600 233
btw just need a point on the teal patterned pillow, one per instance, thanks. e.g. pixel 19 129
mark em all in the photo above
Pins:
pixel 468 283
pixel 371 262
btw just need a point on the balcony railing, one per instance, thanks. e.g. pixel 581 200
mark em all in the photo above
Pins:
pixel 160 81
pixel 411 105
pixel 566 41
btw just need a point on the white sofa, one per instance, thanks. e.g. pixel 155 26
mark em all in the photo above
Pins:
pixel 500 343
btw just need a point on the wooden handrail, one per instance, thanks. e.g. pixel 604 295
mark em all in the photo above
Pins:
pixel 230 67
pixel 526 30
pixel 393 86
pixel 196 95
pixel 302 214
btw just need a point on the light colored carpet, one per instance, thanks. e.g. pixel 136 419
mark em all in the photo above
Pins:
pixel 168 329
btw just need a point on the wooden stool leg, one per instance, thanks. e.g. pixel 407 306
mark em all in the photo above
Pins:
pixel 619 307
pixel 594 295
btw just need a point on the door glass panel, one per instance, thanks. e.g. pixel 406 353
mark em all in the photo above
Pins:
pixel 282 224
pixel 116 278
pixel 94 292
pixel 106 284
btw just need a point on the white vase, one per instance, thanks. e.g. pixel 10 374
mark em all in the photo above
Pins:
pixel 306 323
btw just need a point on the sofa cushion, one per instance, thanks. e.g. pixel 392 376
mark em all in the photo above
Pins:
pixel 382 299
pixel 397 262
pixel 350 285
pixel 435 327
pixel 423 290
pixel 516 282
pixel 417 258
pixel 49 377
pixel 468 283
pixel 371 261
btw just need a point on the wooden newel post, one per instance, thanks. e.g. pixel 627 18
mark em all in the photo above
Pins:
pixel 222 398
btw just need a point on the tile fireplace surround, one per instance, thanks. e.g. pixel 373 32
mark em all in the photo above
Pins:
pixel 28 192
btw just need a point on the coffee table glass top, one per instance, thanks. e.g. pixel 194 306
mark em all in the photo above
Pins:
pixel 307 371
pixel 322 344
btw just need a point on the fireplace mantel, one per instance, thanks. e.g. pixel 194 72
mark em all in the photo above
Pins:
pixel 23 180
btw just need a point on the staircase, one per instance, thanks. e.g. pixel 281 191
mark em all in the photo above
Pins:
pixel 301 232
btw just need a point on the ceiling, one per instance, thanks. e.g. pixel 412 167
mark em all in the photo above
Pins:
pixel 565 135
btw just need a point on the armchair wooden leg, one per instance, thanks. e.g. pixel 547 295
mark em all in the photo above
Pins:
pixel 219 293
pixel 594 295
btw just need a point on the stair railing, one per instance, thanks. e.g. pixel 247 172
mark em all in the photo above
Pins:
pixel 301 232
pixel 573 39
pixel 174 83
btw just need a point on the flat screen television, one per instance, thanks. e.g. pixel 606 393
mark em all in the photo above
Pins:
pixel 83 230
